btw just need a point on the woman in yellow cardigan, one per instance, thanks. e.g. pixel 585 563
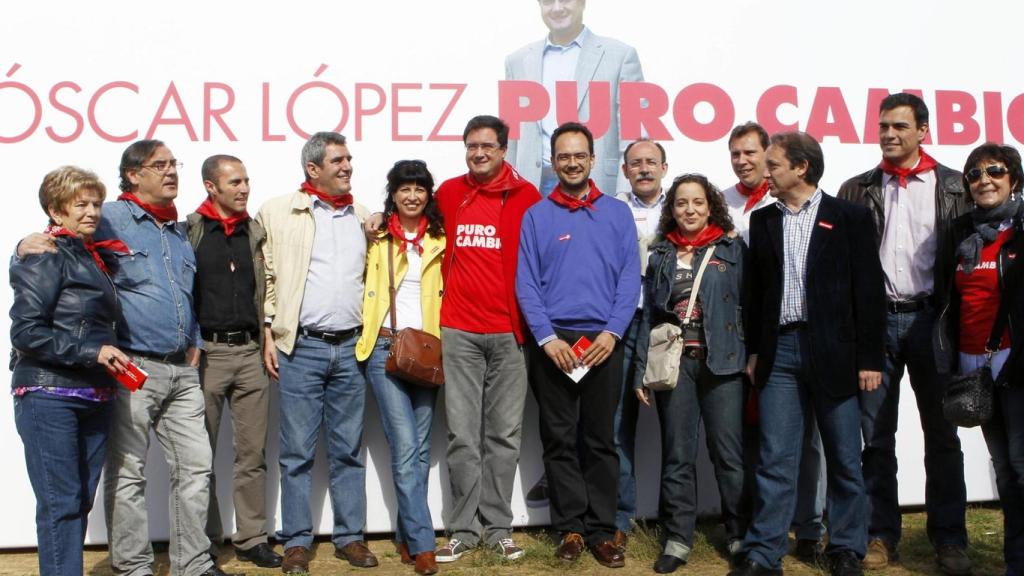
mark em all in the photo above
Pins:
pixel 412 231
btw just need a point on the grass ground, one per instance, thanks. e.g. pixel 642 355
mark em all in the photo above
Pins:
pixel 985 526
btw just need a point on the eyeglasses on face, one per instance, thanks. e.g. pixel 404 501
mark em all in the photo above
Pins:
pixel 995 172
pixel 162 166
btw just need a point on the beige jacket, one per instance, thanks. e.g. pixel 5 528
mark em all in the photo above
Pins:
pixel 288 222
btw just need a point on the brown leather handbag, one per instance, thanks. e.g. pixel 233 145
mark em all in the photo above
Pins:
pixel 415 355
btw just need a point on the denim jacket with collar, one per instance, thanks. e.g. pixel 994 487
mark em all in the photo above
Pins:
pixel 720 298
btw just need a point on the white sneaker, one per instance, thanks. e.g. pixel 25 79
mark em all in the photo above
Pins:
pixel 451 551
pixel 508 549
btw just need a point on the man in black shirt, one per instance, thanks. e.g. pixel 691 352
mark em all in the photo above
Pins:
pixel 229 294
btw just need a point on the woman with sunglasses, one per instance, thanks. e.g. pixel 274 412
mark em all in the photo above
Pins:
pixel 694 220
pixel 63 330
pixel 989 269
pixel 411 239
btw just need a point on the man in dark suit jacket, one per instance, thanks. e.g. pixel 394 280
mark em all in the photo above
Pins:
pixel 816 327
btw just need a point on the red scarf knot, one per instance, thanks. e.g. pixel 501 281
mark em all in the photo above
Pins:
pixel 159 213
pixel 229 223
pixel 571 202
pixel 707 235
pixel 398 233
pixel 114 245
pixel 753 195
pixel 337 202
pixel 925 164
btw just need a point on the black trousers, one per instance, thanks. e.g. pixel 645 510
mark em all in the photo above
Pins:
pixel 583 479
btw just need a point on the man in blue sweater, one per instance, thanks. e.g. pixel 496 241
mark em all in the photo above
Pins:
pixel 577 282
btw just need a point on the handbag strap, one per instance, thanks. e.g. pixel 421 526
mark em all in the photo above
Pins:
pixel 696 284
pixel 391 284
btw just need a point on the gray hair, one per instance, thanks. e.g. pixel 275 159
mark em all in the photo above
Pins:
pixel 315 148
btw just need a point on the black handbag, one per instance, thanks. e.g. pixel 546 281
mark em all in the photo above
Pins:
pixel 969 398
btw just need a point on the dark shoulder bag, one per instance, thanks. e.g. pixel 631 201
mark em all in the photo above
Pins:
pixel 969 398
pixel 415 355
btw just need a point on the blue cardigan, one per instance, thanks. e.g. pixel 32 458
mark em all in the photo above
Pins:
pixel 577 270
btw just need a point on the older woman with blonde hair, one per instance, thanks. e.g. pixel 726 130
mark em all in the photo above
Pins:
pixel 63 327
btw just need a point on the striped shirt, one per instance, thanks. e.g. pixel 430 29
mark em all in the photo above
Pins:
pixel 796 237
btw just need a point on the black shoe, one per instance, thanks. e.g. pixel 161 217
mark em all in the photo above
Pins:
pixel 751 568
pixel 845 563
pixel 215 571
pixel 261 555
pixel 953 560
pixel 810 551
pixel 667 564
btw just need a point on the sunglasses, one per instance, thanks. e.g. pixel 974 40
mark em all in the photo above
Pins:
pixel 994 172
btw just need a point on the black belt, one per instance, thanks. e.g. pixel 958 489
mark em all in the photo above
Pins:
pixel 172 358
pixel 231 338
pixel 898 306
pixel 793 326
pixel 331 337
pixel 696 352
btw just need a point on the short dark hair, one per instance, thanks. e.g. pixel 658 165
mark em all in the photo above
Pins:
pixel 570 127
pixel 487 121
pixel 718 210
pixel 893 101
pixel 412 172
pixel 801 147
pixel 133 157
pixel 625 153
pixel 1008 155
pixel 748 127
pixel 211 166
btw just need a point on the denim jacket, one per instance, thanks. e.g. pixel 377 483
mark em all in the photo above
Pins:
pixel 154 281
pixel 719 294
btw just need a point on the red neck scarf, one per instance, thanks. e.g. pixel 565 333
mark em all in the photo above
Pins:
pixel 93 247
pixel 709 234
pixel 207 209
pixel 573 203
pixel 505 180
pixel 398 233
pixel 925 164
pixel 753 195
pixel 336 201
pixel 159 213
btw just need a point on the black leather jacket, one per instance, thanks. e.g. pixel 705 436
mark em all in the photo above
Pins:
pixel 64 310
pixel 1011 284
pixel 950 203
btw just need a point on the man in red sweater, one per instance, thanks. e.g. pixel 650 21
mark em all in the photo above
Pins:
pixel 482 336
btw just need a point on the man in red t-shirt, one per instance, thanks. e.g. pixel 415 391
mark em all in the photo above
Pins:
pixel 482 335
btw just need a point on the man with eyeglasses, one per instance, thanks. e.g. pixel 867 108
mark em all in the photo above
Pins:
pixel 314 254
pixel 570 52
pixel 913 200
pixel 161 335
pixel 578 287
pixel 230 284
pixel 482 334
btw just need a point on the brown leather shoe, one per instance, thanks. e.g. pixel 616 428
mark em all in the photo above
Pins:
pixel 426 563
pixel 571 546
pixel 403 553
pixel 879 555
pixel 357 554
pixel 621 540
pixel 296 561
pixel 608 555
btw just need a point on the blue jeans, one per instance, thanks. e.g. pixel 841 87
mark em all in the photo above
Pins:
pixel 718 401
pixel 908 343
pixel 1004 435
pixel 321 384
pixel 625 432
pixel 65 444
pixel 406 413
pixel 786 397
